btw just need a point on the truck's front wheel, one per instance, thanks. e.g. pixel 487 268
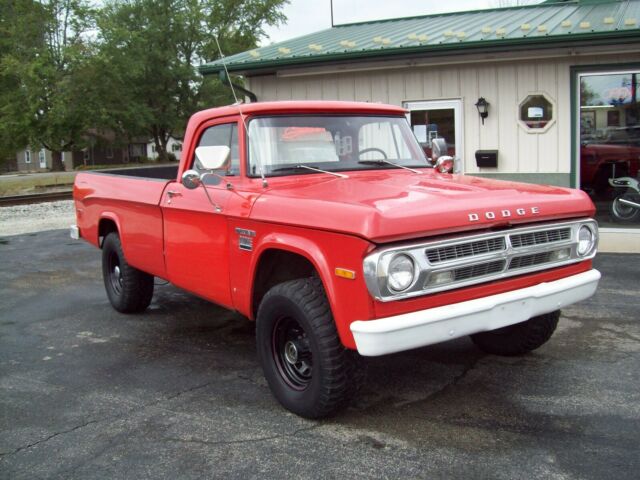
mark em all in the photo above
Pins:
pixel 129 289
pixel 304 362
pixel 519 338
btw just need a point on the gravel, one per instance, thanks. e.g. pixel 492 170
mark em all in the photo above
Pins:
pixel 36 217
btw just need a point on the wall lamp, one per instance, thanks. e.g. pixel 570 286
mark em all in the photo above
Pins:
pixel 483 108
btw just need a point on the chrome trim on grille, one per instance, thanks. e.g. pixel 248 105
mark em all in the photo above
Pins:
pixel 469 249
pixel 474 259
pixel 539 238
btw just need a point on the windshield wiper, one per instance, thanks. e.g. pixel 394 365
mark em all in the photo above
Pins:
pixel 307 167
pixel 384 161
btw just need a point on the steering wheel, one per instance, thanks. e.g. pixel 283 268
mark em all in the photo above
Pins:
pixel 373 149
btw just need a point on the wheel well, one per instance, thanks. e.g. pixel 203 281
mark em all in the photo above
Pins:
pixel 277 266
pixel 105 227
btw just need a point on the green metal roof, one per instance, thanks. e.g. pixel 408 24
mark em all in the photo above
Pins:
pixel 581 21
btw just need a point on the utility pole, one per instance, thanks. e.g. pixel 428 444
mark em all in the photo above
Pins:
pixel 331 4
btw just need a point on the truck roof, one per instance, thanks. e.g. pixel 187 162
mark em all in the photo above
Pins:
pixel 304 106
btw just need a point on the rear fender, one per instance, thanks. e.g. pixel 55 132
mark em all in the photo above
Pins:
pixel 108 216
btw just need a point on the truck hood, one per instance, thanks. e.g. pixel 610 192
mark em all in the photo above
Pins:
pixel 391 205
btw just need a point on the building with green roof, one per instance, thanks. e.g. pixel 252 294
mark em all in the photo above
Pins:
pixel 560 79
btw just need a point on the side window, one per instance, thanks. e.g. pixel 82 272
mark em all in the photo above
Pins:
pixel 226 134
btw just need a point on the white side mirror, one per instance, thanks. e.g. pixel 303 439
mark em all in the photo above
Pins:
pixel 214 157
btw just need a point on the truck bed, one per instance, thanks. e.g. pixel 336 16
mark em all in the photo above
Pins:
pixel 129 199
pixel 163 172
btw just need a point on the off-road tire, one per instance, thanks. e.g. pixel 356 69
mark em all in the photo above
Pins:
pixel 336 373
pixel 519 338
pixel 133 290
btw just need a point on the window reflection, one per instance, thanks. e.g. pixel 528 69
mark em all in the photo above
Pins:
pixel 610 145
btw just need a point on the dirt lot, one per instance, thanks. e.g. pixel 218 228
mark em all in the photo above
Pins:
pixel 176 392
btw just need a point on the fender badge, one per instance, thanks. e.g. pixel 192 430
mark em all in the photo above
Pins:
pixel 245 239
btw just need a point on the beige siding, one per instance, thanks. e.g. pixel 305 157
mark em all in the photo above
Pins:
pixel 503 84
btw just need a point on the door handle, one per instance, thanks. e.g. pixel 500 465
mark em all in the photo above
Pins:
pixel 171 194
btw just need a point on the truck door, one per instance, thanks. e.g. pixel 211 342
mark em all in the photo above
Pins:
pixel 196 239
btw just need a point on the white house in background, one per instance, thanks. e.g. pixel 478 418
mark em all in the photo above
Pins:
pixel 174 145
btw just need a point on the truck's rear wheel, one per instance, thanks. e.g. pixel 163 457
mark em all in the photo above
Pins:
pixel 519 338
pixel 306 366
pixel 129 289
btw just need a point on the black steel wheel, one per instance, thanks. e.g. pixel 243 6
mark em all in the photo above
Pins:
pixel 115 273
pixel 129 290
pixel 292 354
pixel 307 368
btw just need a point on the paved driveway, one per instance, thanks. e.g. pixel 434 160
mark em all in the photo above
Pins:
pixel 176 392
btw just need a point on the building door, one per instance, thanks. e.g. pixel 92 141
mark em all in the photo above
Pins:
pixel 42 157
pixel 431 119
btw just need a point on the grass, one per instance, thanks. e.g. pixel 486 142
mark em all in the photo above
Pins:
pixel 24 184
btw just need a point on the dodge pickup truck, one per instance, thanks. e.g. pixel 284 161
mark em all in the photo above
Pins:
pixel 326 224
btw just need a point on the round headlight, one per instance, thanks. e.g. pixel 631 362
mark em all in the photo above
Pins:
pixel 401 273
pixel 586 240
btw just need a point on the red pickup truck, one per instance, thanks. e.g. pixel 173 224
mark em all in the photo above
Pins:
pixel 326 224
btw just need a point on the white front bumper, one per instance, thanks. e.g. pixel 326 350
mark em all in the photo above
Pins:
pixel 435 325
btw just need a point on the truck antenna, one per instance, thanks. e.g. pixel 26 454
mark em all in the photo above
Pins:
pixel 238 103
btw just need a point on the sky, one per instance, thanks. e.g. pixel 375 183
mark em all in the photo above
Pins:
pixel 308 16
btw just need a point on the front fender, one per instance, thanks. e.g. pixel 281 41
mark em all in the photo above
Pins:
pixel 326 251
pixel 301 246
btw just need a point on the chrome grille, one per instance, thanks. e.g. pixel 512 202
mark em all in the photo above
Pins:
pixel 530 260
pixel 463 250
pixel 479 270
pixel 465 260
pixel 539 238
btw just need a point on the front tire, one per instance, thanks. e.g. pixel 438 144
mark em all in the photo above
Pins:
pixel 129 290
pixel 308 370
pixel 519 338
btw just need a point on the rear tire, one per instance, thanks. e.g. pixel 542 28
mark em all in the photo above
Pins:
pixel 129 290
pixel 519 338
pixel 307 368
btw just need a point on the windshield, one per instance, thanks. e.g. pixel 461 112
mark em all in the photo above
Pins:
pixel 279 145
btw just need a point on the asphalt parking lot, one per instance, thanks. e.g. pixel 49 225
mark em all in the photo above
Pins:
pixel 177 392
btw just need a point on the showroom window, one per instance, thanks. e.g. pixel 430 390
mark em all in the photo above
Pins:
pixel 609 145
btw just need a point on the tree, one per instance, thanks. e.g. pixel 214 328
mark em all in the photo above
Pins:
pixel 47 104
pixel 149 50
pixel 21 37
